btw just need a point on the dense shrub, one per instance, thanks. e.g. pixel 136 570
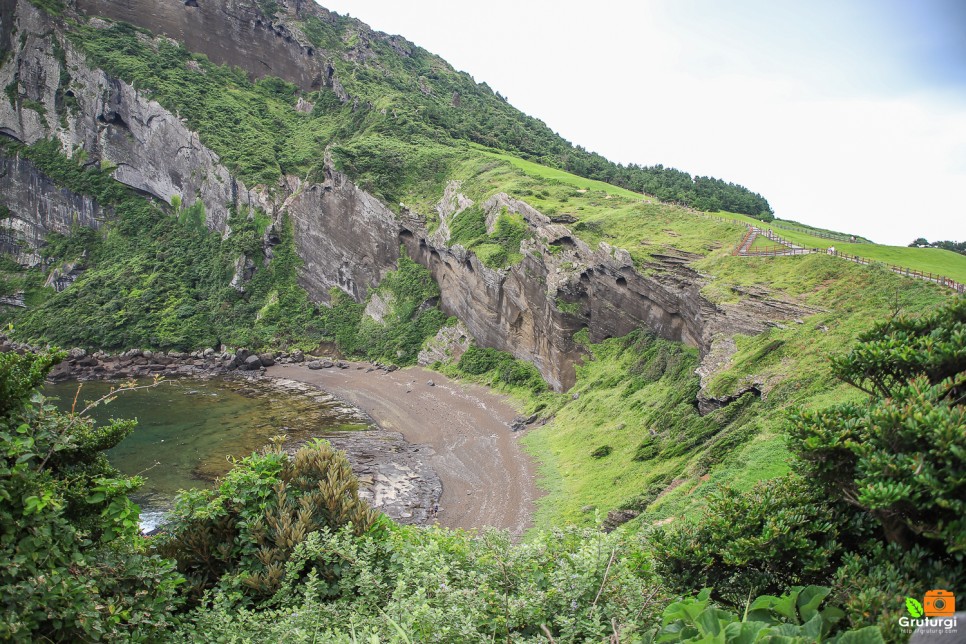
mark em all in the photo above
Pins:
pixel 500 367
pixel 244 533
pixel 872 586
pixel 75 567
pixel 429 584
pixel 779 534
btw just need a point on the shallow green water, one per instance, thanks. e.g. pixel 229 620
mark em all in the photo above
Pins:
pixel 187 429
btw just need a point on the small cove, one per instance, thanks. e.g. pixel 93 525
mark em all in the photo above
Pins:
pixel 188 429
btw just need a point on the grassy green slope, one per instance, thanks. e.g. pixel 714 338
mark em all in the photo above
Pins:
pixel 928 260
pixel 739 446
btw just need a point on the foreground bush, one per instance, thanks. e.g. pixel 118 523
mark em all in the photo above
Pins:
pixel 401 583
pixel 74 566
pixel 244 533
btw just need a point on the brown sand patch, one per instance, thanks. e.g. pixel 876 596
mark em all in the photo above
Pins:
pixel 487 479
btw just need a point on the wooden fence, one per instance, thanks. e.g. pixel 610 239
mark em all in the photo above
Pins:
pixel 788 248
pixel 847 239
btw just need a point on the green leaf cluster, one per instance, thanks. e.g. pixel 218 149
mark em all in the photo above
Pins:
pixel 400 583
pixel 793 618
pixel 75 566
pixel 413 317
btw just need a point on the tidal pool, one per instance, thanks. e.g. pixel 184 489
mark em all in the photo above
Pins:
pixel 188 429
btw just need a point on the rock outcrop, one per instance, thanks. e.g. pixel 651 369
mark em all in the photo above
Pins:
pixel 345 236
pixel 37 207
pixel 448 345
pixel 151 149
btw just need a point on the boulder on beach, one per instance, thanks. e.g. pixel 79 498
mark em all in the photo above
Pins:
pixel 252 363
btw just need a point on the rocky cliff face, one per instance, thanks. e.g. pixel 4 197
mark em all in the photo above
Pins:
pixel 346 237
pixel 38 207
pixel 232 32
pixel 151 149
pixel 533 310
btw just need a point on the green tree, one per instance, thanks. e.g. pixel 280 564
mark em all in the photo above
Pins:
pixel 901 454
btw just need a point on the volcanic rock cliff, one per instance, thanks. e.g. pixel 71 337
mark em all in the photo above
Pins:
pixel 346 237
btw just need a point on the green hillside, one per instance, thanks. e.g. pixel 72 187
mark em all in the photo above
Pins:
pixel 832 470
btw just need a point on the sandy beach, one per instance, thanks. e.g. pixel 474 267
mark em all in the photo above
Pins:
pixel 487 478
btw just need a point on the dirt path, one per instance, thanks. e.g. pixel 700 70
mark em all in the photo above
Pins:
pixel 487 479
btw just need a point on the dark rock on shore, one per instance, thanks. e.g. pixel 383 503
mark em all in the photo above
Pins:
pixel 81 364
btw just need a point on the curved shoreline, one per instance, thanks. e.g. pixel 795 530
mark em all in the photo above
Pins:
pixel 488 481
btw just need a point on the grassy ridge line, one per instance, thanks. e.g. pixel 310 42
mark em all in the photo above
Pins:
pixel 604 213
pixel 928 260
pixel 554 174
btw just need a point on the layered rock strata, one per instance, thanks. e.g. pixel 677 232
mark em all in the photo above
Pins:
pixel 345 236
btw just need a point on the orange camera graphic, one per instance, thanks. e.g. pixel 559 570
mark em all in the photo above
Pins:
pixel 939 603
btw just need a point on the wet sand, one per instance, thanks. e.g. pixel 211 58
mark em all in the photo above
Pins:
pixel 487 479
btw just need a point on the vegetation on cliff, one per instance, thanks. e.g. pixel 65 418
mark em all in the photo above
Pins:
pixel 162 281
pixel 408 296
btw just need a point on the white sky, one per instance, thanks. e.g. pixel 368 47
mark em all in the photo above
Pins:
pixel 847 114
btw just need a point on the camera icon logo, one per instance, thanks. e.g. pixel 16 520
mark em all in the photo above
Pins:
pixel 939 603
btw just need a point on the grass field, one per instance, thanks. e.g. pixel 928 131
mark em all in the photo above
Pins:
pixel 928 260
pixel 564 177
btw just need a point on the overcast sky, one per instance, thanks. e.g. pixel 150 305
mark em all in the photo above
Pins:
pixel 847 114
